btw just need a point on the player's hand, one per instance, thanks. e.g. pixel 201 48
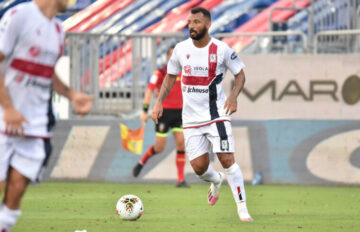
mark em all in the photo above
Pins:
pixel 157 112
pixel 82 103
pixel 14 122
pixel 144 117
pixel 230 106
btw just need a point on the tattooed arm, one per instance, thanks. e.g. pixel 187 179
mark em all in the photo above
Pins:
pixel 166 87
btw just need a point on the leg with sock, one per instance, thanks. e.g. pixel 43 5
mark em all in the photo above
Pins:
pixel 8 218
pixel 236 183
pixel 149 153
pixel 180 165
pixel 9 210
pixel 160 142
pixel 216 179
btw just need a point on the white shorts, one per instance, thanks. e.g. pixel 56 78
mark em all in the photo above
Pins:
pixel 27 155
pixel 216 138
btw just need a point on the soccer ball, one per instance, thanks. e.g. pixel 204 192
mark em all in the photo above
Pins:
pixel 129 207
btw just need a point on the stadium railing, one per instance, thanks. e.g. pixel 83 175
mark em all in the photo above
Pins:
pixel 337 41
pixel 105 66
pixel 262 42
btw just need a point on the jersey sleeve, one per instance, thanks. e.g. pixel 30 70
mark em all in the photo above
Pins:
pixel 10 27
pixel 154 79
pixel 174 66
pixel 232 60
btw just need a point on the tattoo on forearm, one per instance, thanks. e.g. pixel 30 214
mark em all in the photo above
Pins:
pixel 164 92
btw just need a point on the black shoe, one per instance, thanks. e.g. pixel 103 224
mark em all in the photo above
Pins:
pixel 182 184
pixel 137 169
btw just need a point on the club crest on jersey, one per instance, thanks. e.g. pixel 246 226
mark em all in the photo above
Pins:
pixel 187 56
pixel 212 58
pixel 35 51
pixel 233 56
pixel 187 69
pixel 224 145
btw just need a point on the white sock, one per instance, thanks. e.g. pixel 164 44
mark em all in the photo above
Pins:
pixel 8 218
pixel 210 175
pixel 236 182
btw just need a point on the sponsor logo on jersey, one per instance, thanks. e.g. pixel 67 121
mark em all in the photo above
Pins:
pixel 187 69
pixel 196 90
pixel 212 58
pixel 36 83
pixel 184 89
pixel 233 56
pixel 198 68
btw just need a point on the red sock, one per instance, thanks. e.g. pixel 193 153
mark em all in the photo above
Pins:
pixel 150 151
pixel 180 164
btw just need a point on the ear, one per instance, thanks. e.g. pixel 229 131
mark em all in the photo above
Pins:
pixel 208 24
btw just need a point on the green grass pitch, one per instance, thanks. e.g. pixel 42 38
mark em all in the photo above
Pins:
pixel 66 207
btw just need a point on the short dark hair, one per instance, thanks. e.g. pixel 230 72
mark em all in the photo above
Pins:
pixel 205 12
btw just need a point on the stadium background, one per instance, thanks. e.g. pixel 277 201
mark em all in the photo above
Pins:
pixel 298 115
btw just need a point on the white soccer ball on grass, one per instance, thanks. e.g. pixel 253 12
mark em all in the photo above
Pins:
pixel 129 207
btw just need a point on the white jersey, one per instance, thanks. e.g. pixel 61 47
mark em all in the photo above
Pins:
pixel 31 44
pixel 203 70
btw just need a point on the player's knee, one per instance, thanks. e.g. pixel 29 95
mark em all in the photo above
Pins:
pixel 198 169
pixel 226 160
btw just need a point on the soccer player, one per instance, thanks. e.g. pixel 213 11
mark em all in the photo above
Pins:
pixel 31 41
pixel 171 119
pixel 203 61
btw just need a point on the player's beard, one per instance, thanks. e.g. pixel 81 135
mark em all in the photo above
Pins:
pixel 199 35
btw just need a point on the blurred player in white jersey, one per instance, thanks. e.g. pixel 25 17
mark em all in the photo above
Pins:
pixel 203 61
pixel 31 41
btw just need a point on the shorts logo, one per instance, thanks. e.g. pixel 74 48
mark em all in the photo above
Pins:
pixel 224 145
pixel 233 56
pixel 187 69
pixel 162 127
pixel 212 58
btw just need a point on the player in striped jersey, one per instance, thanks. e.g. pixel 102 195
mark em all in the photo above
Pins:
pixel 203 61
